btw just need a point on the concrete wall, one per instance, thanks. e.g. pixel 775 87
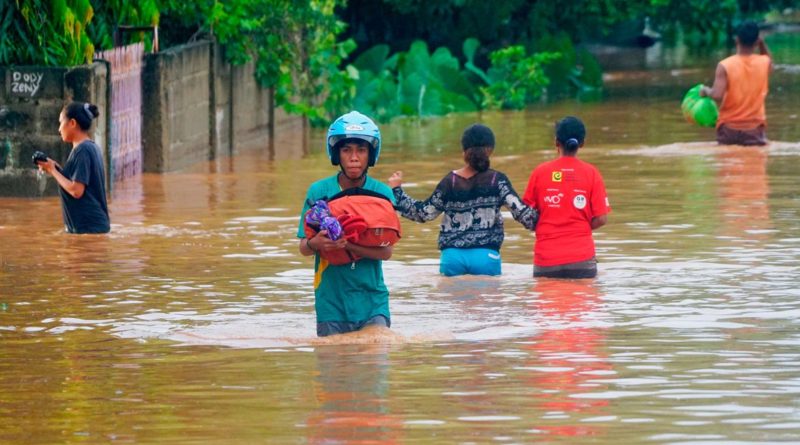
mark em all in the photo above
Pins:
pixel 290 135
pixel 175 107
pixel 251 110
pixel 31 100
pixel 197 107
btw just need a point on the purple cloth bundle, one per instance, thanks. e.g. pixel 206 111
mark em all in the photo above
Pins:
pixel 333 227
pixel 319 218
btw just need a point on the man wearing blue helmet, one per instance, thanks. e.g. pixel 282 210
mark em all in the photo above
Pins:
pixel 352 296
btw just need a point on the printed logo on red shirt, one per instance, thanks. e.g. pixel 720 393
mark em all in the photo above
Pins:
pixel 579 202
pixel 554 199
pixel 557 176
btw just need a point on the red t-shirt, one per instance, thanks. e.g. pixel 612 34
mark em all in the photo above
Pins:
pixel 568 193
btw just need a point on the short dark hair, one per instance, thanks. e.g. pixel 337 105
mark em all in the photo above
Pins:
pixel 83 113
pixel 477 135
pixel 570 133
pixel 358 141
pixel 747 32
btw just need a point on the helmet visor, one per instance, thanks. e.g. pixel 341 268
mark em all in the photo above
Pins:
pixel 335 140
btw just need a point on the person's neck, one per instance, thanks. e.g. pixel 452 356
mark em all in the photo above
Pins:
pixel 466 171
pixel 745 50
pixel 347 183
pixel 79 140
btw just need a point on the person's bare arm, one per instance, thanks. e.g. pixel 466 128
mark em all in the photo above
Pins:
pixel 320 242
pixel 599 221
pixel 717 91
pixel 375 253
pixel 74 188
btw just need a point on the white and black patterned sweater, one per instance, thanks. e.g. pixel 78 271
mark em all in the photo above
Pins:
pixel 471 208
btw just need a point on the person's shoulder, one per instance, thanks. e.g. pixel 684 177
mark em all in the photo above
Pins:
pixel 378 186
pixel 446 179
pixel 544 165
pixel 88 146
pixel 322 187
pixel 499 175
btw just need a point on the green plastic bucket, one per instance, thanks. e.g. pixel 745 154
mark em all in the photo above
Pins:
pixel 699 110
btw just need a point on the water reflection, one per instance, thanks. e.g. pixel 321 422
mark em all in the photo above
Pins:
pixel 744 192
pixel 176 323
pixel 351 388
pixel 570 352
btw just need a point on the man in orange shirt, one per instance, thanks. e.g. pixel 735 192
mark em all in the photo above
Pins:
pixel 740 87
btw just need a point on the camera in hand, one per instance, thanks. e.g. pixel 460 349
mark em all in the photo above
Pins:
pixel 39 156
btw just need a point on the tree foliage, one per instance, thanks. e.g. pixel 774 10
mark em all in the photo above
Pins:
pixel 516 79
pixel 294 45
pixel 706 21
pixel 110 13
pixel 45 32
pixel 66 32
pixel 499 24
pixel 421 83
pixel 301 48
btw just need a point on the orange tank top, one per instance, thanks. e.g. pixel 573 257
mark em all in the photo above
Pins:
pixel 748 80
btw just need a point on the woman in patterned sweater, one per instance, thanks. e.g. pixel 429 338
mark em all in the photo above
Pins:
pixel 471 231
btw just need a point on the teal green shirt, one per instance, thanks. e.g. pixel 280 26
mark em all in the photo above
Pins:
pixel 352 292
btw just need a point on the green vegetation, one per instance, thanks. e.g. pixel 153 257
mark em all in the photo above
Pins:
pixel 420 83
pixel 501 23
pixel 516 79
pixel 46 32
pixel 703 22
pixel 318 66
pixel 109 13
pixel 411 83
pixel 293 44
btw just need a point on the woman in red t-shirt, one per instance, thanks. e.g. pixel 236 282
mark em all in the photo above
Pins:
pixel 571 199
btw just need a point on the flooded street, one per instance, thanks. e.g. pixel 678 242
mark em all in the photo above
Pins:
pixel 190 322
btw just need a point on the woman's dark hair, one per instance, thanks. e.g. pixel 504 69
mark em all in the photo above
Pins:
pixel 476 142
pixel 478 158
pixel 747 32
pixel 570 133
pixel 83 113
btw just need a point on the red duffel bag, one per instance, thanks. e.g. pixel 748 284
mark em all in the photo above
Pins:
pixel 367 218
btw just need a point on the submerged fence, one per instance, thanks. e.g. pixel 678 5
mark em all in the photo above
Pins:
pixel 126 110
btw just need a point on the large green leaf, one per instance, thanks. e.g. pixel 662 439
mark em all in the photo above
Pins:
pixel 442 57
pixel 456 103
pixel 455 81
pixel 372 59
pixel 470 47
pixel 417 60
pixel 411 92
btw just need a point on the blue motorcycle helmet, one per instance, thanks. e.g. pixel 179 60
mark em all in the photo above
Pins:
pixel 354 125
